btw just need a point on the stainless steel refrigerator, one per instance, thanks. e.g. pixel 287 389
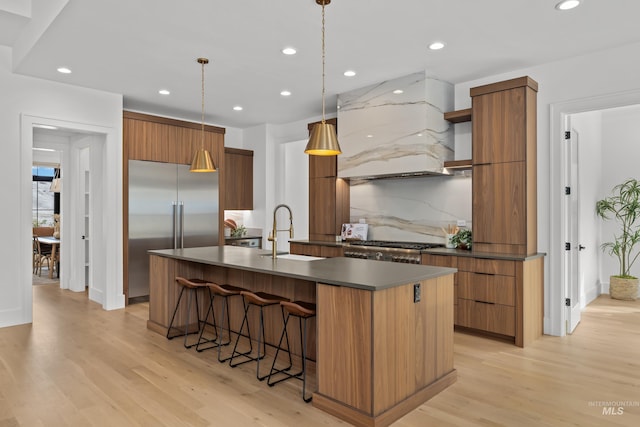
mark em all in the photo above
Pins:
pixel 169 207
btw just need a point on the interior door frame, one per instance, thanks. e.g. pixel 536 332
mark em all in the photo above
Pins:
pixel 557 315
pixel 110 253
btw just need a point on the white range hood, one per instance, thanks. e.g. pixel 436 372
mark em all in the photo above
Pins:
pixel 395 128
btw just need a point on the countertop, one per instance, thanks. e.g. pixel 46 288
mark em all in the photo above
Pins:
pixel 349 272
pixel 439 251
pixel 487 255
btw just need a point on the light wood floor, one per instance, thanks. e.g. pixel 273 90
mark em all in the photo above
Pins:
pixel 78 365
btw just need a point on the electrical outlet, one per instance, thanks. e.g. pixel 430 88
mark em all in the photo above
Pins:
pixel 362 221
pixel 461 223
pixel 416 292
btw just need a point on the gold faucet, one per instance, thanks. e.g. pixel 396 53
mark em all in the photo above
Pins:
pixel 273 238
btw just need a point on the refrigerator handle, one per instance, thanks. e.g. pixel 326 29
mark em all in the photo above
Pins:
pixel 181 225
pixel 175 225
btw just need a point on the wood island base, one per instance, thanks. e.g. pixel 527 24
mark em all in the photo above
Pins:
pixel 357 418
pixel 383 335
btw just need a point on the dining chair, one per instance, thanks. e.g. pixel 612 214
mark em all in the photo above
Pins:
pixel 40 256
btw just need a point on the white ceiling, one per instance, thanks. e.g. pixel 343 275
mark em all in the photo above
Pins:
pixel 137 47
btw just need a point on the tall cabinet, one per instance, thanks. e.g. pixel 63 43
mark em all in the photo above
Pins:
pixel 504 167
pixel 328 197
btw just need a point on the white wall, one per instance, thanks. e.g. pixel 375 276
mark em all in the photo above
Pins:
pixel 607 73
pixel 619 153
pixel 24 100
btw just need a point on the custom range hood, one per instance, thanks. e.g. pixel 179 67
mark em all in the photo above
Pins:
pixel 395 129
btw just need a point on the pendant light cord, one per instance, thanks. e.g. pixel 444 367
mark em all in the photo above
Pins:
pixel 202 127
pixel 323 47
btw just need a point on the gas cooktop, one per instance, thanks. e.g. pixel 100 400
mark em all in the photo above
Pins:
pixel 396 245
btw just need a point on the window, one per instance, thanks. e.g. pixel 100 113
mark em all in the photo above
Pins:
pixel 44 201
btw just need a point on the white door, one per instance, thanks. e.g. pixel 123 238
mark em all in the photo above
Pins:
pixel 572 226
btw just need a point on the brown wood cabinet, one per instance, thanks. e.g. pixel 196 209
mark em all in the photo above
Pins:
pixel 445 261
pixel 316 250
pixel 328 197
pixel 504 167
pixel 160 139
pixel 239 178
pixel 380 354
pixel 499 297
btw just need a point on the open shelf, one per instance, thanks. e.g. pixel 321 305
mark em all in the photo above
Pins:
pixel 458 116
pixel 458 164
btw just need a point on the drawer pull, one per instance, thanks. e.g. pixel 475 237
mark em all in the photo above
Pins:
pixel 485 274
pixel 484 302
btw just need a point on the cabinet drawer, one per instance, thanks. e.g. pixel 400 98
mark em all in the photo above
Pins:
pixel 487 266
pixel 487 288
pixel 440 260
pixel 496 318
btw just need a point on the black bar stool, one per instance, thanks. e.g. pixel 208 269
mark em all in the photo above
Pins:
pixel 223 291
pixel 261 300
pixel 303 311
pixel 191 286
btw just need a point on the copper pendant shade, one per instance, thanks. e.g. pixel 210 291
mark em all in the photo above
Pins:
pixel 323 140
pixel 202 161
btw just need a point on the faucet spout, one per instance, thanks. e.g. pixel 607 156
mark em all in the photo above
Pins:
pixel 273 234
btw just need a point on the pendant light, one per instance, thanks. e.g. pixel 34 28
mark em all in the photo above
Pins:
pixel 323 140
pixel 56 182
pixel 202 159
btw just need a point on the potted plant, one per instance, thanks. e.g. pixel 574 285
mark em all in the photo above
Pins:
pixel 623 206
pixel 462 239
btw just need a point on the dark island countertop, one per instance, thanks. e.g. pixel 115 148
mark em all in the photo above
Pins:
pixel 349 272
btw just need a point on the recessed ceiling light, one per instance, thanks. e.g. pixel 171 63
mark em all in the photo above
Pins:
pixel 568 4
pixel 349 73
pixel 419 134
pixel 43 149
pixel 369 136
pixel 164 92
pixel 398 91
pixel 436 45
pixel 237 108
pixel 64 70
pixel 289 51
pixel 285 93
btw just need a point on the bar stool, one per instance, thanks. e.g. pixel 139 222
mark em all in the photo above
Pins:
pixel 303 311
pixel 223 291
pixel 192 286
pixel 260 300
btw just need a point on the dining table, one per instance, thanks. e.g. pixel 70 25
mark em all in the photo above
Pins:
pixel 55 245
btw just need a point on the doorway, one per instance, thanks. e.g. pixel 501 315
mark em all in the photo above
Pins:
pixel 583 268
pixel 90 207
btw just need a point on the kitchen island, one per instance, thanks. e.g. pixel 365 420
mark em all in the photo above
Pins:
pixel 383 341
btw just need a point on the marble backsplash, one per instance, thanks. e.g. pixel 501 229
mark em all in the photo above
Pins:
pixel 396 126
pixel 411 209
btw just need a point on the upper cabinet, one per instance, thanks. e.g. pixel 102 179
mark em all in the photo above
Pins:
pixel 239 178
pixel 161 139
pixel 504 167
pixel 504 121
pixel 395 128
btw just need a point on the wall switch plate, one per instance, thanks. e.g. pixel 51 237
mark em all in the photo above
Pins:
pixel 461 223
pixel 416 292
